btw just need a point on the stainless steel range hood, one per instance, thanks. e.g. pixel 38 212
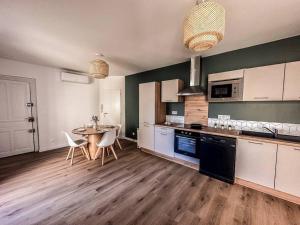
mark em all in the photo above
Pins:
pixel 195 87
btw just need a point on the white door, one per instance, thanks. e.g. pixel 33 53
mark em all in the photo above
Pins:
pixel 147 103
pixel 255 162
pixel 288 169
pixel 110 107
pixel 15 137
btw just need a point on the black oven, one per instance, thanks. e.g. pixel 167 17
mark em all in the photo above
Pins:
pixel 187 143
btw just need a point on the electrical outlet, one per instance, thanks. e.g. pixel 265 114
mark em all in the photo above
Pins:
pixel 224 117
pixel 174 112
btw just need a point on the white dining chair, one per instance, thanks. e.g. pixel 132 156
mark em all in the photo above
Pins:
pixel 106 142
pixel 80 144
pixel 119 129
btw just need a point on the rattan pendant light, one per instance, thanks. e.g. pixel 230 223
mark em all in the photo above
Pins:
pixel 99 68
pixel 204 26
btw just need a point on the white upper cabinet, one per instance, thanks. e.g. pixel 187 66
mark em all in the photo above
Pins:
pixel 169 90
pixel 292 81
pixel 264 83
pixel 255 162
pixel 288 170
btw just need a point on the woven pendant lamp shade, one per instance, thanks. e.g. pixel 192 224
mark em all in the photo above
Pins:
pixel 99 69
pixel 204 27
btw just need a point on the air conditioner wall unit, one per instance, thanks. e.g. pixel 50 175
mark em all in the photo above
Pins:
pixel 75 78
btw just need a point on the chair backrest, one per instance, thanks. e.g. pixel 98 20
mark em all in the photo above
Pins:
pixel 70 140
pixel 119 129
pixel 108 138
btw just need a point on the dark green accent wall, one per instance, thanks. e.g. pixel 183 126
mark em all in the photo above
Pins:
pixel 286 50
pixel 178 71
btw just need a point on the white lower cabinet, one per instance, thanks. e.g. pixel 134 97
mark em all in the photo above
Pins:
pixel 256 161
pixel 146 136
pixel 164 140
pixel 288 170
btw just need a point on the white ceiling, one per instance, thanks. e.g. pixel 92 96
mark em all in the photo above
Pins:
pixel 135 35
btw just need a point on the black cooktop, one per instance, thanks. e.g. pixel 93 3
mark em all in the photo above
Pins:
pixel 196 126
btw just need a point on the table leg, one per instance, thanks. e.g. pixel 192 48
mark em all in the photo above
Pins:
pixel 93 140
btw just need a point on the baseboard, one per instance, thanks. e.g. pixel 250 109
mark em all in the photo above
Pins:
pixel 172 159
pixel 129 139
pixel 49 148
pixel 267 190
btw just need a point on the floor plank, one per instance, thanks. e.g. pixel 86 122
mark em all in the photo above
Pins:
pixel 42 188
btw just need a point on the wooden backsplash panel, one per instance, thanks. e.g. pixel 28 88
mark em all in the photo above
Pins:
pixel 196 109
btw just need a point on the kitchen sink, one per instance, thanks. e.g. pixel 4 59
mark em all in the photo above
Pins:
pixel 270 135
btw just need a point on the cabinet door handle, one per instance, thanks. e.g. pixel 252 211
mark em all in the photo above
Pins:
pixel 163 133
pixel 257 143
pixel 261 97
pixel 297 149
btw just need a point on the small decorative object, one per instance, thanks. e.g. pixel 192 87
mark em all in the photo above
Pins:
pixel 215 125
pixel 222 127
pixel 95 119
pixel 205 25
pixel 229 127
pixel 99 68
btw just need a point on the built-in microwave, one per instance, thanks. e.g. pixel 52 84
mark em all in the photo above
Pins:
pixel 225 87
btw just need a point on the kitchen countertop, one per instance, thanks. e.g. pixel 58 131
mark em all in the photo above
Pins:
pixel 230 133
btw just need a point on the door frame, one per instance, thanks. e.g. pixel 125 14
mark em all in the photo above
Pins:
pixel 33 97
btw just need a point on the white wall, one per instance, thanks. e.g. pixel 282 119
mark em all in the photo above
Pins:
pixel 61 106
pixel 114 83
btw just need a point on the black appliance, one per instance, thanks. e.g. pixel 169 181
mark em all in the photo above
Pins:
pixel 187 143
pixel 217 155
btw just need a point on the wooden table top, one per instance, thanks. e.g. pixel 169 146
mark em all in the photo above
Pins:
pixel 92 131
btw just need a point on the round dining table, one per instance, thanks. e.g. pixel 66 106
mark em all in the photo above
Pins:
pixel 94 136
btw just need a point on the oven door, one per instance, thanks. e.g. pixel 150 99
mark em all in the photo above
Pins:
pixel 222 91
pixel 187 145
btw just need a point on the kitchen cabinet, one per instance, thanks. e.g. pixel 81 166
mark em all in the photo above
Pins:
pixel 151 111
pixel 292 81
pixel 264 83
pixel 169 90
pixel 164 140
pixel 146 136
pixel 288 169
pixel 255 162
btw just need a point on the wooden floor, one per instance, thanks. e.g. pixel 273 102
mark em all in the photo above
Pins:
pixel 42 188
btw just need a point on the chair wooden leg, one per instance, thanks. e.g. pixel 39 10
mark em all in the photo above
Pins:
pixel 113 151
pixel 107 151
pixel 120 146
pixel 97 153
pixel 87 154
pixel 69 153
pixel 73 149
pixel 82 152
pixel 103 152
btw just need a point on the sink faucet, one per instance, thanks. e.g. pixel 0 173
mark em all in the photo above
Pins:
pixel 274 132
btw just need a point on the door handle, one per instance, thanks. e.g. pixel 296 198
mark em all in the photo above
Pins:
pixel 257 143
pixel 261 97
pixel 31 131
pixel 30 119
pixel 29 104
